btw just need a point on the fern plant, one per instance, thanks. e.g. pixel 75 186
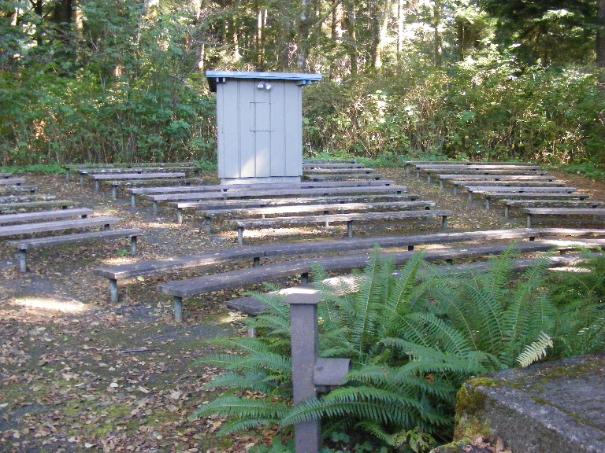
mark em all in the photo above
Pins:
pixel 413 337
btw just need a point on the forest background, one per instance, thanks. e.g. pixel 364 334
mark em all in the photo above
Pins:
pixel 119 80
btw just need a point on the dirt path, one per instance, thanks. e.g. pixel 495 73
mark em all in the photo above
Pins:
pixel 78 373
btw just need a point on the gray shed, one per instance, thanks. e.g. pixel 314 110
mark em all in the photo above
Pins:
pixel 259 119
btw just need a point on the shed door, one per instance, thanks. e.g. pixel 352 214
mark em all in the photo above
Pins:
pixel 261 129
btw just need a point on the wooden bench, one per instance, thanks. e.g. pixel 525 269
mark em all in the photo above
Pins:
pixel 258 186
pixel 343 177
pixel 62 225
pixel 267 202
pixel 254 254
pixel 32 205
pixel 182 289
pixel 70 168
pixel 511 204
pixel 98 178
pixel 342 285
pixel 23 198
pixel 277 193
pixel 326 220
pixel 12 181
pixel 482 190
pixel 24 246
pixel 18 189
pixel 336 171
pixel 474 171
pixel 334 162
pixel 315 208
pixel 44 215
pixel 496 195
pixel 562 212
pixel 135 183
pixel 6 175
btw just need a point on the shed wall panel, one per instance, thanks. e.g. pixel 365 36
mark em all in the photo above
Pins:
pixel 247 140
pixel 278 136
pixel 230 131
pixel 262 132
pixel 293 129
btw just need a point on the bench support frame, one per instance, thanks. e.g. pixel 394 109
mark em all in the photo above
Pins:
pixel 178 308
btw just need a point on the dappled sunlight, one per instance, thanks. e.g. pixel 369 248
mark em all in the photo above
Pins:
pixel 51 305
pixel 114 261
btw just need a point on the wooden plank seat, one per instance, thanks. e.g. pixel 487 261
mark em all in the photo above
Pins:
pixel 133 183
pixel 307 165
pixel 241 278
pixel 473 171
pixel 491 196
pixel 335 171
pixel 562 212
pixel 512 204
pixel 314 208
pixel 162 267
pixel 253 306
pixel 487 192
pixel 26 197
pixel 181 207
pixel 98 178
pixel 71 168
pixel 12 181
pixel 6 208
pixel 23 246
pixel 471 182
pixel 477 166
pixel 257 186
pixel 343 177
pixel 275 193
pixel 349 219
pixel 6 175
pixel 44 215
pixel 18 189
pixel 330 162
pixel 61 225
pixel 450 179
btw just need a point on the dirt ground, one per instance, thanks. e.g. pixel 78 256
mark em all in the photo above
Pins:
pixel 78 373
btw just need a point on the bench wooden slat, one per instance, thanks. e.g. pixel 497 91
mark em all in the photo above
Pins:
pixel 464 177
pixel 255 253
pixel 293 209
pixel 18 189
pixel 25 198
pixel 45 227
pixel 272 272
pixel 565 211
pixel 6 175
pixel 267 186
pixel 26 205
pixel 11 181
pixel 132 170
pixel 487 171
pixel 509 183
pixel 320 191
pixel 108 177
pixel 343 177
pixel 520 189
pixel 43 215
pixel 477 166
pixel 352 171
pixel 33 243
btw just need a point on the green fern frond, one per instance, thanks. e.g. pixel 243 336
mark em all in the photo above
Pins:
pixel 242 408
pixel 535 351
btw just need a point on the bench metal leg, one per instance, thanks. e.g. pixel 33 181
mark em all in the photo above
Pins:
pixel 179 216
pixel 114 192
pixel 444 222
pixel 133 201
pixel 22 257
pixel 470 198
pixel 455 190
pixel 97 186
pixel 154 208
pixel 113 291
pixel 81 180
pixel 528 220
pixel 506 213
pixel 256 261
pixel 240 235
pixel 441 184
pixel 133 245
pixel 428 178
pixel 350 229
pixel 487 203
pixel 178 308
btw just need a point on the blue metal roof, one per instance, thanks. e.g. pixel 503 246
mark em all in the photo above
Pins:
pixel 215 77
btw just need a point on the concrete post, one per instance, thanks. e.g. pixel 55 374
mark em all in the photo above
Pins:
pixel 22 257
pixel 305 349
pixel 133 201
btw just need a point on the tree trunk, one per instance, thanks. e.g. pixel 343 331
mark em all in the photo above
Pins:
pixel 400 23
pixel 351 34
pixel 336 32
pixel 601 35
pixel 437 40
pixel 304 27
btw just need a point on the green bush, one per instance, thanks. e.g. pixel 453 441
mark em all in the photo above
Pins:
pixel 411 345
pixel 486 107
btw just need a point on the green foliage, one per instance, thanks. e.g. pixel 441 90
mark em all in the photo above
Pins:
pixel 590 169
pixel 484 107
pixel 40 169
pixel 413 338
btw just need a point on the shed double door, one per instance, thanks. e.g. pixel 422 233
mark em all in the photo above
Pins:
pixel 264 137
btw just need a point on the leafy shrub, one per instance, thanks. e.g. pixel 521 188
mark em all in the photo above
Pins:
pixel 411 345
